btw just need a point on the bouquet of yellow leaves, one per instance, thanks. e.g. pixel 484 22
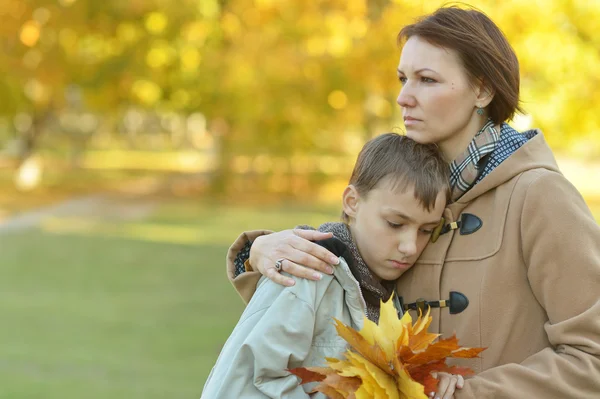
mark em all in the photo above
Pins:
pixel 391 360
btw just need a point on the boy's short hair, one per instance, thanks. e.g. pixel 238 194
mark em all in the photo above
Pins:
pixel 408 164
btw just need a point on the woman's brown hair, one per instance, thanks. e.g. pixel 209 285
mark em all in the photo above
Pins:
pixel 483 49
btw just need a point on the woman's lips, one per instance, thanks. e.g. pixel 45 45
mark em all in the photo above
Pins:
pixel 408 121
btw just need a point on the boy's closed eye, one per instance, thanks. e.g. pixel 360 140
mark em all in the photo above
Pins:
pixel 395 225
pixel 424 230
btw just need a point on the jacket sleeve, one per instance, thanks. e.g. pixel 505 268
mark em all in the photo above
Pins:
pixel 245 283
pixel 275 333
pixel 561 249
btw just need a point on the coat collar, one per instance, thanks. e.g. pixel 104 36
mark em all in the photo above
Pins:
pixel 532 155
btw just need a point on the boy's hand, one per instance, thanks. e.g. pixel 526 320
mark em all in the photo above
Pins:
pixel 447 385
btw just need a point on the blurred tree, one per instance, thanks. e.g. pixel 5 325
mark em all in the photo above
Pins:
pixel 74 55
pixel 267 76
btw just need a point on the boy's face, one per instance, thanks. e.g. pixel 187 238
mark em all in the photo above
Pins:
pixel 391 228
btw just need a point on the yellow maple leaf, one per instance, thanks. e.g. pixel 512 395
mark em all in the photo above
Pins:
pixel 390 360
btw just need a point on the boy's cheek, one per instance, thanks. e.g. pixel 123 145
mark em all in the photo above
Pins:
pixel 422 244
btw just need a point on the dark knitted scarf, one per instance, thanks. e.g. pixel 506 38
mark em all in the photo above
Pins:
pixel 373 290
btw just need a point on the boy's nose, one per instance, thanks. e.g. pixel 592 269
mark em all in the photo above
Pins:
pixel 408 246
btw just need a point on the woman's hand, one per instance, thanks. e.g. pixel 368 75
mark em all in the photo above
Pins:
pixel 447 385
pixel 301 257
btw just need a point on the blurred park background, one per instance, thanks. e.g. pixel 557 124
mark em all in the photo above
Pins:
pixel 139 137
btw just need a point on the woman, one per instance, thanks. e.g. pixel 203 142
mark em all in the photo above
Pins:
pixel 518 257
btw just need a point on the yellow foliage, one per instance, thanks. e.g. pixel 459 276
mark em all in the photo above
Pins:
pixel 148 92
pixel 337 99
pixel 293 68
pixel 30 33
pixel 392 360
pixel 156 22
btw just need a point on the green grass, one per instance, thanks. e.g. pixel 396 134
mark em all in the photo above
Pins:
pixel 99 317
pixel 103 318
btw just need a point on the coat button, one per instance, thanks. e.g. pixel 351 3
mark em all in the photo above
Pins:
pixel 458 302
pixel 469 224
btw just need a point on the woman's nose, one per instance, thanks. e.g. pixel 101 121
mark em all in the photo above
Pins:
pixel 406 98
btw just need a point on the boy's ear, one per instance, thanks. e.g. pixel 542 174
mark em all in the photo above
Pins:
pixel 350 200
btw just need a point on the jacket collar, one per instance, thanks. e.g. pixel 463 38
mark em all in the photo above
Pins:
pixel 354 299
pixel 532 155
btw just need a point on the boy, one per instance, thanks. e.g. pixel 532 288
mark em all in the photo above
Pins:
pixel 394 200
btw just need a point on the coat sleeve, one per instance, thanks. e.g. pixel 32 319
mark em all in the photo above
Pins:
pixel 561 249
pixel 245 283
pixel 269 339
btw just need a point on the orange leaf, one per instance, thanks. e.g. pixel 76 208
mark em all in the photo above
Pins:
pixel 336 386
pixel 436 351
pixel 373 353
pixel 422 323
pixel 311 374
pixel 419 337
pixel 464 371
pixel 330 392
pixel 420 372
pixel 467 353
pixel 430 384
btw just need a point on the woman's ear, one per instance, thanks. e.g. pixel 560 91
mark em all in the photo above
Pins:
pixel 485 94
pixel 350 200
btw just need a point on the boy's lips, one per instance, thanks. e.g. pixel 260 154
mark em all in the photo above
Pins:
pixel 400 265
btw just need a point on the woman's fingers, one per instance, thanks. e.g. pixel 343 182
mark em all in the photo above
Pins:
pixel 310 255
pixel 301 257
pixel 442 385
pixel 273 275
pixel 449 394
pixel 317 251
pixel 302 252
pixel 314 235
pixel 293 269
pixel 300 270
pixel 447 385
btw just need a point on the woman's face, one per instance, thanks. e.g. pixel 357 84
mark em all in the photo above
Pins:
pixel 438 101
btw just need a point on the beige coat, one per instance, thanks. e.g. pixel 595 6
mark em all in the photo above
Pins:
pixel 532 277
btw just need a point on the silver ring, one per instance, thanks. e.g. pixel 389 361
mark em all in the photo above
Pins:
pixel 279 264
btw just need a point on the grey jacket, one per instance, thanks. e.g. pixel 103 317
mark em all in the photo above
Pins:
pixel 283 328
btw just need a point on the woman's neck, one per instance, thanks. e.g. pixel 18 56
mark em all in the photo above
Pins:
pixel 456 144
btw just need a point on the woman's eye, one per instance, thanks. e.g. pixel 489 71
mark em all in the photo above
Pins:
pixel 394 225
pixel 426 231
pixel 427 80
pixel 402 79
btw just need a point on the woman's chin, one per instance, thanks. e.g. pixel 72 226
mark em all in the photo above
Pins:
pixel 419 136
